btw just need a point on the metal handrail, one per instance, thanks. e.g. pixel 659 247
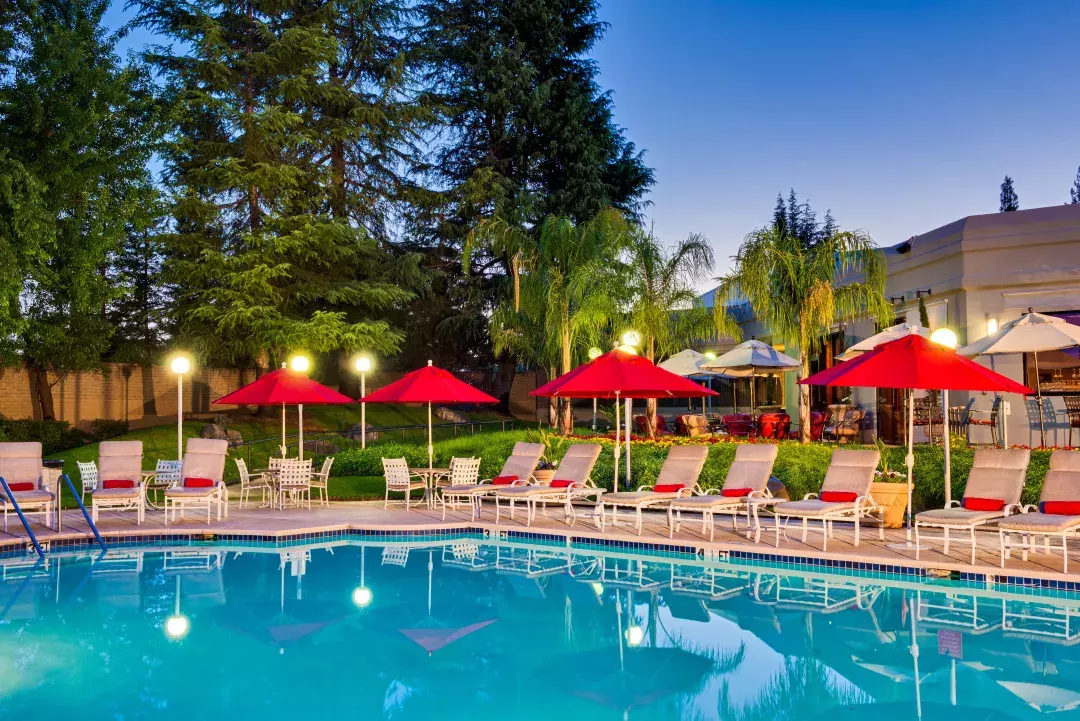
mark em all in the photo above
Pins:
pixel 22 517
pixel 86 514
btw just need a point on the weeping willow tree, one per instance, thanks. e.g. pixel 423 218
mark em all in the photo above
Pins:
pixel 799 292
pixel 567 286
pixel 664 305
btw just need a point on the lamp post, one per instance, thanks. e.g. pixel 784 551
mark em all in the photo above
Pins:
pixel 362 595
pixel 180 365
pixel 300 364
pixel 177 625
pixel 363 365
pixel 631 340
pixel 945 337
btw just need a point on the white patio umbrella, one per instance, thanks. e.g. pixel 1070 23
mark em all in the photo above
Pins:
pixel 689 364
pixel 752 358
pixel 1030 333
pixel 889 334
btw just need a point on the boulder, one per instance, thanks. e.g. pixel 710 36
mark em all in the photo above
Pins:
pixel 233 437
pixel 356 431
pixel 213 430
pixel 222 420
pixel 450 416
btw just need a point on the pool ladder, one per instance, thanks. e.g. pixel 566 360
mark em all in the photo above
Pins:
pixel 26 524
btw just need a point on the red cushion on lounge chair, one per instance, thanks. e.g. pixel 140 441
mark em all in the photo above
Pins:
pixel 118 483
pixel 669 487
pixel 736 492
pixel 562 484
pixel 198 482
pixel 503 480
pixel 983 504
pixel 23 486
pixel 838 496
pixel 1060 508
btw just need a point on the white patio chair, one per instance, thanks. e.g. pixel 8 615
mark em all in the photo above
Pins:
pixel 248 483
pixel 464 472
pixel 321 480
pixel 88 473
pixel 121 486
pixel 294 481
pixel 399 479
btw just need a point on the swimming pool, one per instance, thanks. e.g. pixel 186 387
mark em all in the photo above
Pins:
pixel 467 629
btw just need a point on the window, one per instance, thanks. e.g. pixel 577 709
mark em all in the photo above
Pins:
pixel 1059 370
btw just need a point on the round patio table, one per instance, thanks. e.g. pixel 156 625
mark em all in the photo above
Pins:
pixel 430 477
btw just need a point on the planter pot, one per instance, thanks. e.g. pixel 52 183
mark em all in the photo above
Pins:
pixel 893 498
pixel 544 477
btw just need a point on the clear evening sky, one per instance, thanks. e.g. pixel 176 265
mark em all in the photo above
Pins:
pixel 900 116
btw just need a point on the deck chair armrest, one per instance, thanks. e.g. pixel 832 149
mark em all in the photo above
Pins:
pixel 711 492
pixel 1014 508
pixel 1029 508
pixel 644 488
pixel 688 491
pixel 953 504
pixel 865 501
pixel 759 494
pixel 810 496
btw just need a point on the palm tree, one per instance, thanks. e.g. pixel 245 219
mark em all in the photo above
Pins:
pixel 800 291
pixel 802 688
pixel 566 291
pixel 664 306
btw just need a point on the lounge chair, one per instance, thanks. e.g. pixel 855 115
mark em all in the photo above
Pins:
pixel 20 466
pixel 399 479
pixel 993 491
pixel 1057 514
pixel 678 477
pixel 747 481
pixel 571 481
pixel 202 480
pixel 517 471
pixel 120 484
pixel 845 495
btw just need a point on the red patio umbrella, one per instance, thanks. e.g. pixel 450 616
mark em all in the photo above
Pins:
pixel 915 363
pixel 287 387
pixel 429 385
pixel 618 374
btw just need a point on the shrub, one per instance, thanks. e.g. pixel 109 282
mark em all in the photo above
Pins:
pixel 54 436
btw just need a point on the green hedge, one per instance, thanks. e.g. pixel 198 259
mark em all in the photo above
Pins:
pixel 56 436
pixel 801 468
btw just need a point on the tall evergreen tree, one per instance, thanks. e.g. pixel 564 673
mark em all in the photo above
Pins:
pixel 77 129
pixel 139 315
pixel 800 221
pixel 264 168
pixel 1009 199
pixel 1074 192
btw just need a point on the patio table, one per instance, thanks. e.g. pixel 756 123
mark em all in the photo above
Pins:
pixel 155 486
pixel 431 475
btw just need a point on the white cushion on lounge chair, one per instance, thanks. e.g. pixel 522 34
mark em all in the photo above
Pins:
pixel 709 501
pixel 683 465
pixel 522 461
pixel 101 493
pixel 578 462
pixel 998 473
pixel 632 498
pixel 120 461
pixel 524 491
pixel 851 471
pixel 752 466
pixel 960 516
pixel 29 496
pixel 185 492
pixel 1039 522
pixel 204 458
pixel 812 507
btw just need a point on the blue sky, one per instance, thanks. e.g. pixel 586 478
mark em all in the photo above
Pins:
pixel 899 116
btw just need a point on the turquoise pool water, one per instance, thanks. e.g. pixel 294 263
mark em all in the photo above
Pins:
pixel 468 630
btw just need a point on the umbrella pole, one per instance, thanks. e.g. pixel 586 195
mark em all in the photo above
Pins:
pixel 284 452
pixel 948 445
pixel 300 412
pixel 909 459
pixel 734 397
pixel 915 659
pixel 615 481
pixel 430 440
pixel 1038 397
pixel 629 421
pixel 594 414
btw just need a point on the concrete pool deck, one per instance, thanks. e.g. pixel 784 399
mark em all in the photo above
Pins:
pixel 371 517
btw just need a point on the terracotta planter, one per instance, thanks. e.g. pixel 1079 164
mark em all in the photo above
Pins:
pixel 544 477
pixel 893 498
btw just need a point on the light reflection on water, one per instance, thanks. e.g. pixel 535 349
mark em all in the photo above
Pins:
pixel 470 629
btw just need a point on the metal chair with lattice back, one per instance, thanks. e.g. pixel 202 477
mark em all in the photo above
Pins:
pixel 320 480
pixel 399 479
pixel 986 419
pixel 252 482
pixel 294 481
pixel 1072 407
pixel 89 475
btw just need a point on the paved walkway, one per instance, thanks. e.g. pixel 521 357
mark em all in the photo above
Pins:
pixel 372 516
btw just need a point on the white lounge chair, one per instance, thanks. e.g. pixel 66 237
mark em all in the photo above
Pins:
pixel 399 479
pixel 992 491
pixel 202 480
pixel 120 484
pixel 678 477
pixel 572 480
pixel 845 496
pixel 1056 515
pixel 747 481
pixel 20 466
pixel 516 471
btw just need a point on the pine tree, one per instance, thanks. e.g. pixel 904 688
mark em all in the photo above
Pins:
pixel 1009 199
pixel 77 129
pixel 139 315
pixel 269 255
pixel 780 214
pixel 1074 192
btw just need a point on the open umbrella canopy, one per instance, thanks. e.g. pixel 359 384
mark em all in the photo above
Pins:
pixel 689 363
pixel 429 384
pixel 752 357
pixel 623 375
pixel 917 363
pixel 1030 333
pixel 889 334
pixel 284 385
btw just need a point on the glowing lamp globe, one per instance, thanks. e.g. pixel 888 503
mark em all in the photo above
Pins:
pixel 710 355
pixel 631 337
pixel 628 349
pixel 176 627
pixel 300 364
pixel 595 353
pixel 597 588
pixel 635 635
pixel 945 337
pixel 363 364
pixel 361 597
pixel 180 365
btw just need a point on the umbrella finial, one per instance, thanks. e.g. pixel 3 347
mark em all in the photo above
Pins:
pixel 429 361
pixel 1030 309
pixel 282 364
